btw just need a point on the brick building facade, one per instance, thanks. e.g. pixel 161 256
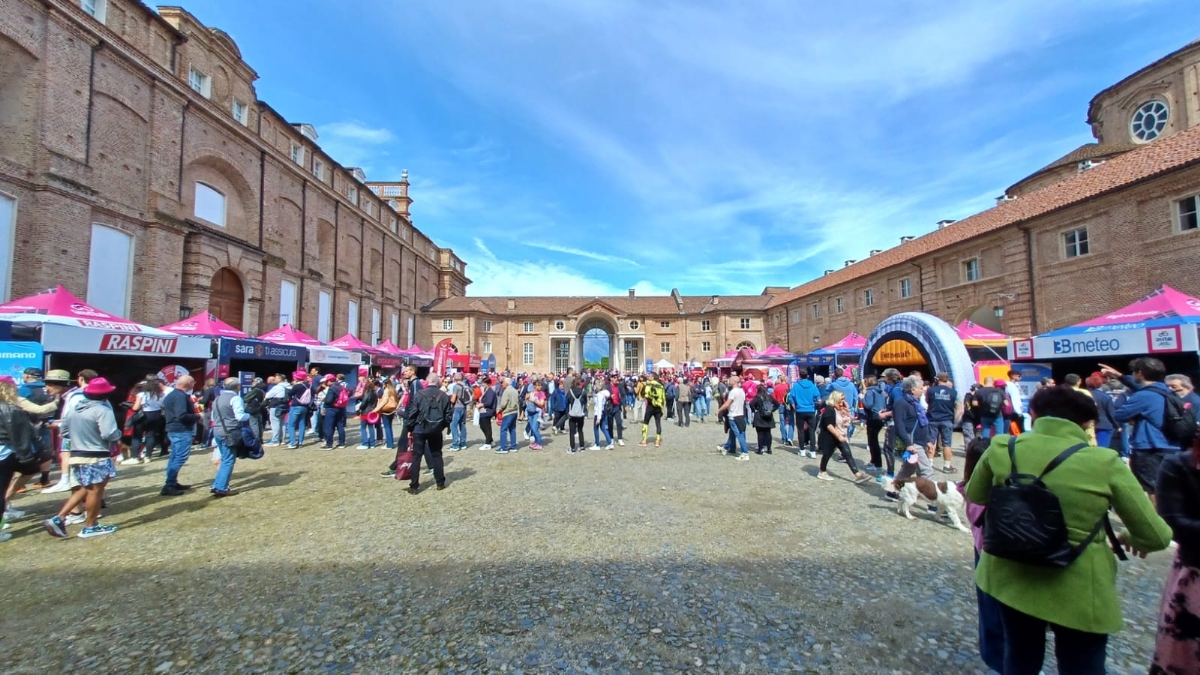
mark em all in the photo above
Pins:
pixel 545 334
pixel 139 170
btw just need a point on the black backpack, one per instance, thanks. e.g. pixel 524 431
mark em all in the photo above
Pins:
pixel 252 402
pixel 18 429
pixel 1179 423
pixel 431 411
pixel 993 403
pixel 1024 520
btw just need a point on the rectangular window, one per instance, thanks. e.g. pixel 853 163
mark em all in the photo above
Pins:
pixel 1075 243
pixel 8 228
pixel 487 348
pixel 816 309
pixel 1189 213
pixel 745 324
pixel 664 324
pixel 370 207
pixel 432 252
pixel 706 346
pixel 287 302
pixel 297 153
pixel 971 269
pixel 210 204
pixel 395 328
pixel 324 305
pixel 241 113
pixel 200 82
pixel 706 325
pixel 487 326
pixel 528 327
pixel 838 306
pixel 110 270
pixel 906 288
pixel 352 195
pixel 795 316
pixel 352 318
pixel 447 324
pixel 527 353
pixel 392 223
pixel 319 169
pixel 562 355
pixel 664 347
pixel 410 338
pixel 633 356
pixel 868 297
pixel 375 326
pixel 95 7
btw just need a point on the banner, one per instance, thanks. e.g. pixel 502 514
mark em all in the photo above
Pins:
pixel 76 340
pixel 261 351
pixel 441 356
pixel 15 357
pixel 245 380
pixel 1103 341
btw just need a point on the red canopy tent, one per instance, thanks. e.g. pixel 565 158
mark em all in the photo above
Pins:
pixel 205 325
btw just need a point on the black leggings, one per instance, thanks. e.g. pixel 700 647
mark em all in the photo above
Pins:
pixel 8 468
pixel 560 419
pixel 485 425
pixel 764 438
pixel 656 413
pixel 806 430
pixel 576 428
pixel 829 445
pixel 873 429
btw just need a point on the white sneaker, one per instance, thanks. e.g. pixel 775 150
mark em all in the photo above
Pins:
pixel 363 446
pixel 485 446
pixel 75 518
pixel 609 446
pixel 743 458
pixel 130 460
pixel 13 514
pixel 61 486
pixel 620 442
pixel 594 447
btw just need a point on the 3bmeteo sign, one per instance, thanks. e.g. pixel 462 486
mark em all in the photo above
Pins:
pixel 120 342
pixel 1066 346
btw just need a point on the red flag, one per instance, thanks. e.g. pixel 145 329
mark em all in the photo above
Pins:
pixel 441 356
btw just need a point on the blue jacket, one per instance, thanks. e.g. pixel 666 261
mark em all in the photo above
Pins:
pixel 908 428
pixel 1104 403
pixel 875 401
pixel 558 400
pixel 1145 409
pixel 804 395
pixel 846 386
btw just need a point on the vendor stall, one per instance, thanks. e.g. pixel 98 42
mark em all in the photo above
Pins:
pixel 75 335
pixel 258 357
pixel 844 352
pixel 987 348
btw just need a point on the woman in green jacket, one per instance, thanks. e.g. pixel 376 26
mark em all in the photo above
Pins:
pixel 1079 602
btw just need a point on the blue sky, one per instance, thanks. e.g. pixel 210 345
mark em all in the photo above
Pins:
pixel 584 147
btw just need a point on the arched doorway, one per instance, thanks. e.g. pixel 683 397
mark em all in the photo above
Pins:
pixel 596 344
pixel 226 299
pixel 982 315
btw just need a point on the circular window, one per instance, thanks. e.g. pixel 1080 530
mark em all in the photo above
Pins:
pixel 559 325
pixel 633 325
pixel 1149 120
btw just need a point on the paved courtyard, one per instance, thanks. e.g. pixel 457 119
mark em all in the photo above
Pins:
pixel 629 560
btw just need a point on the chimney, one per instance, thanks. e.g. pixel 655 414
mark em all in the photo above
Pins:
pixel 907 238
pixel 512 305
pixel 827 273
pixel 849 263
pixel 943 223
pixel 875 251
pixel 1004 198
pixel 631 294
pixel 716 299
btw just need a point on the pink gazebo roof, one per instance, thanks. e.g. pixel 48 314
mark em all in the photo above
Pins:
pixel 968 330
pixel 774 350
pixel 389 347
pixel 287 334
pixel 205 325
pixel 351 342
pixel 1163 302
pixel 851 341
pixel 731 354
pixel 59 302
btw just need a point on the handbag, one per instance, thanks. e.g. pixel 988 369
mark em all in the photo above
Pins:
pixel 135 419
pixel 404 465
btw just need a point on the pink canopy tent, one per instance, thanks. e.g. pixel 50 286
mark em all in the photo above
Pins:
pixel 205 325
pixel 774 351
pixel 1162 304
pixel 69 324
pixel 852 342
pixel 974 335
pixel 288 335
pixel 351 342
pixel 389 347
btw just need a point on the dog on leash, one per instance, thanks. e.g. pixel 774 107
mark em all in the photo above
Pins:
pixel 943 494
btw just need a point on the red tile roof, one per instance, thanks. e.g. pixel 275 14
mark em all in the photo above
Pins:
pixel 660 305
pixel 1147 161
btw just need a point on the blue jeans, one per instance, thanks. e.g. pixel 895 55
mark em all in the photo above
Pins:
pixel 277 432
pixel 366 433
pixel 991 628
pixel 601 427
pixel 533 426
pixel 388 438
pixel 702 407
pixel 335 418
pixel 737 430
pixel 992 426
pixel 508 432
pixel 297 422
pixel 787 427
pixel 225 470
pixel 181 449
pixel 1025 645
pixel 458 428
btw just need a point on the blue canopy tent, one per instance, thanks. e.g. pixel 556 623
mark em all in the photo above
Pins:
pixel 852 344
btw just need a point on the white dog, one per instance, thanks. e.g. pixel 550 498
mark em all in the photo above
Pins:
pixel 944 495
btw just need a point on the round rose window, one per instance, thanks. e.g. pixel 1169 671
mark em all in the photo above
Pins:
pixel 1149 121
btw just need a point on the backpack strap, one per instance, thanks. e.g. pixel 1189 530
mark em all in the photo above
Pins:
pixel 1062 457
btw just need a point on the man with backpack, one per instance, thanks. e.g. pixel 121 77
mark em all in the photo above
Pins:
pixel 460 397
pixel 991 398
pixel 576 414
pixel 1160 422
pixel 432 416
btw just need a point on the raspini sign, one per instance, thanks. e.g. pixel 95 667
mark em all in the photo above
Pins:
pixel 125 342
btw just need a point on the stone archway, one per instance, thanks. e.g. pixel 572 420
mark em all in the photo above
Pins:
pixel 981 315
pixel 934 339
pixel 596 325
pixel 227 297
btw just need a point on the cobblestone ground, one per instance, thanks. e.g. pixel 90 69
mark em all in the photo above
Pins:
pixel 629 560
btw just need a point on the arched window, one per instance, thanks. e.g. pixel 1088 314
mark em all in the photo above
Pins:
pixel 210 204
pixel 746 345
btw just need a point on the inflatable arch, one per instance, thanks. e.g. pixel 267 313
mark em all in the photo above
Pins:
pixel 934 339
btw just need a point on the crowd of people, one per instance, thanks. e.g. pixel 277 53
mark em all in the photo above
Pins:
pixel 1127 437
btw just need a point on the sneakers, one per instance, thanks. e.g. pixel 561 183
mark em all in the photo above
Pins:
pixel 621 442
pixel 744 457
pixel 594 447
pixel 292 447
pixel 362 446
pixel 97 530
pixel 892 496
pixel 485 446
pixel 61 486
pixel 609 446
pixel 535 446
pixel 570 451
pixel 824 476
pixel 13 514
pixel 129 461
pixel 501 451
pixel 75 518
pixel 55 527
pixel 812 454
pixel 948 469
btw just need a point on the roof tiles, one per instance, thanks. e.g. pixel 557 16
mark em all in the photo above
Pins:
pixel 660 305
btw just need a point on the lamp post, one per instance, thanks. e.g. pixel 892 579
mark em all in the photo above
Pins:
pixel 185 312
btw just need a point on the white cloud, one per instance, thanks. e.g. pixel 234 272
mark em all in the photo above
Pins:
pixel 591 255
pixel 492 276
pixel 355 131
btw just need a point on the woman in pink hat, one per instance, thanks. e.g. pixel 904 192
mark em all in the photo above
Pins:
pixel 92 428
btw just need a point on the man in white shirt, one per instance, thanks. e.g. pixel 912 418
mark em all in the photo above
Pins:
pixel 276 401
pixel 735 407
pixel 1014 394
